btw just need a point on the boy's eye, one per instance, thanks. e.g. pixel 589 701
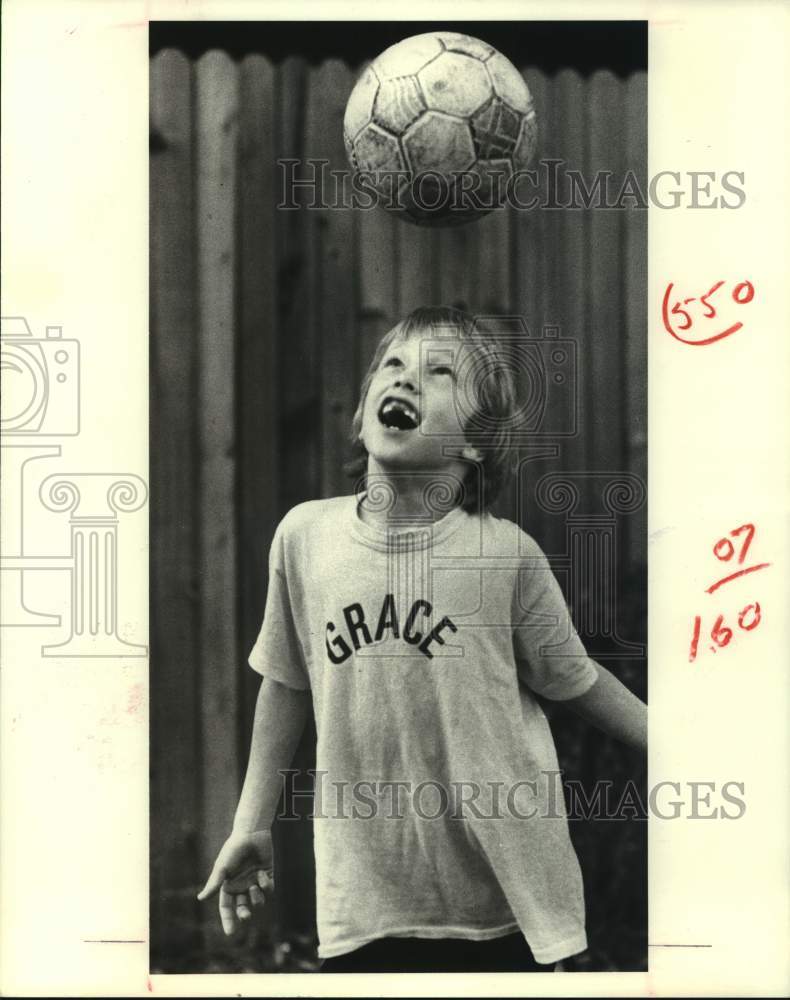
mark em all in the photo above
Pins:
pixel 392 360
pixel 442 370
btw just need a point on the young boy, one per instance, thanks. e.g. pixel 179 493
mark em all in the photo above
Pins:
pixel 420 626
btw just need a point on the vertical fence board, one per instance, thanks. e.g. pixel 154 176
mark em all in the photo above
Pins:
pixel 418 259
pixel 458 259
pixel 174 615
pixel 530 226
pixel 605 345
pixel 569 248
pixel 634 260
pixel 216 120
pixel 490 295
pixel 331 86
pixel 378 280
pixel 567 284
pixel 378 265
pixel 300 387
pixel 571 255
pixel 537 251
pixel 297 288
pixel 257 362
pixel 604 342
pixel 490 292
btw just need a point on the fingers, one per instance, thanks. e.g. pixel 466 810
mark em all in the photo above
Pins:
pixel 227 913
pixel 233 907
pixel 243 911
pixel 215 880
pixel 241 881
pixel 237 894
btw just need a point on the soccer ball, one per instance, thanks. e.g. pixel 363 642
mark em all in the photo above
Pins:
pixel 437 125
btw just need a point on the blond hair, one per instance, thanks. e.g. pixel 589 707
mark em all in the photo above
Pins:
pixel 495 400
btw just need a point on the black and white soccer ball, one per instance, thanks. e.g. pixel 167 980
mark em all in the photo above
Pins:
pixel 439 124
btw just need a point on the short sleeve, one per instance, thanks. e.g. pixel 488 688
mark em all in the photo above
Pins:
pixel 550 657
pixel 277 652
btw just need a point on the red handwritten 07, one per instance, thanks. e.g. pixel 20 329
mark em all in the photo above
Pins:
pixel 735 545
pixel 679 315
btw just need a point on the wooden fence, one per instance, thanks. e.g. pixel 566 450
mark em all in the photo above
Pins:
pixel 262 322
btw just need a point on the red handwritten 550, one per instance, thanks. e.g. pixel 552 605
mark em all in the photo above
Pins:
pixel 698 320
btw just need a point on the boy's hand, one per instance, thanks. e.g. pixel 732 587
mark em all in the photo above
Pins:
pixel 241 874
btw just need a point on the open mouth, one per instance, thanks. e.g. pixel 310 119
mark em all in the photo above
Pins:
pixel 397 414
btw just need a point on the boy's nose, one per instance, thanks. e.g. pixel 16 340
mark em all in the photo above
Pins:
pixel 408 376
pixel 406 381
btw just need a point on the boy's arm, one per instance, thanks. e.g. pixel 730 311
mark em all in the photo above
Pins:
pixel 280 715
pixel 610 706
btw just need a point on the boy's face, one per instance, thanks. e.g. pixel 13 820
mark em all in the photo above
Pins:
pixel 410 418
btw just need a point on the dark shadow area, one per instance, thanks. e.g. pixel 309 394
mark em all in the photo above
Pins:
pixel 620 46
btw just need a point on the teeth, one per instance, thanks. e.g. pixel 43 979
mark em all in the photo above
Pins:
pixel 395 404
pixel 398 415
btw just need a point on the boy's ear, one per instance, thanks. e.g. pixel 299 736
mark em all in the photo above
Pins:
pixel 472 454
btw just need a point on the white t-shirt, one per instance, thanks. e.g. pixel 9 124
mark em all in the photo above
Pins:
pixel 422 647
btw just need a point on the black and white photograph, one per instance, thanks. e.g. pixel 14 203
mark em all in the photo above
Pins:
pixel 398 487
pixel 394 498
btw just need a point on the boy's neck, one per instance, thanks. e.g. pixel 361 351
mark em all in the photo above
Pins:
pixel 400 498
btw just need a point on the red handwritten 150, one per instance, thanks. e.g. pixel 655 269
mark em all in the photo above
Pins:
pixel 733 546
pixel 680 316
